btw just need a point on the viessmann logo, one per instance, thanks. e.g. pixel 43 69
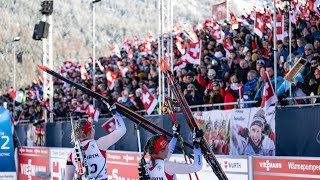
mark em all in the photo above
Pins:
pixel 269 165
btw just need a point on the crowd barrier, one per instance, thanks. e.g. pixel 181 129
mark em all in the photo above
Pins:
pixel 122 165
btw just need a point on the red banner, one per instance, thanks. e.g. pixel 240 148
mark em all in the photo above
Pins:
pixel 219 11
pixel 123 165
pixel 32 160
pixel 286 168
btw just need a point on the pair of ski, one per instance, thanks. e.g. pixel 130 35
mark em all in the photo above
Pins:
pixel 205 148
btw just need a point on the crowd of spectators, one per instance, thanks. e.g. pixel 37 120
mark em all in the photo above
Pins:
pixel 217 79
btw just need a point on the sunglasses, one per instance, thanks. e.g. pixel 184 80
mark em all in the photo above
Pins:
pixel 314 63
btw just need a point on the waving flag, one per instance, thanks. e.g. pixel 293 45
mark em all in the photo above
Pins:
pixel 93 113
pixel 194 53
pixel 148 99
pixel 111 76
pixel 227 45
pixel 217 33
pixel 234 21
pixel 115 50
pixel 269 97
pixel 83 72
pixel 259 24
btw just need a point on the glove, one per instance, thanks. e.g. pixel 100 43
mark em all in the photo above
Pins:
pixel 176 130
pixel 197 135
pixel 112 109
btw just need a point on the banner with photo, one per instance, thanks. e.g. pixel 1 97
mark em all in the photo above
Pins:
pixel 215 125
pixel 253 132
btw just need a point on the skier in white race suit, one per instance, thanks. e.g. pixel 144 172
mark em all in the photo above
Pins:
pixel 94 150
pixel 160 150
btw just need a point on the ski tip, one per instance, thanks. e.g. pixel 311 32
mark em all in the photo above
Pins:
pixel 43 68
pixel 165 63
pixel 160 66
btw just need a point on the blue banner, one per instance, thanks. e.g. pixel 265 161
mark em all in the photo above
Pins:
pixel 6 143
pixel 298 131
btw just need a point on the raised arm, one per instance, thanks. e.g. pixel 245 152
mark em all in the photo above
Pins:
pixel 179 168
pixel 173 141
pixel 106 141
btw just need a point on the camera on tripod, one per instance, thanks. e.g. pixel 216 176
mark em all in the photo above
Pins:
pixel 39 128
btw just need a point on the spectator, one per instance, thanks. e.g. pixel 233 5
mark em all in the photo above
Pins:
pixel 191 96
pixel 249 88
pixel 270 71
pixel 308 49
pixel 230 92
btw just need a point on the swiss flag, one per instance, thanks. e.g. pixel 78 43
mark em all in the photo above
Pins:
pixel 111 76
pixel 109 125
pixel 269 97
pixel 259 24
pixel 148 100
pixel 193 54
pixel 115 50
pixel 217 33
pixel 227 45
pixel 93 113
pixel 234 21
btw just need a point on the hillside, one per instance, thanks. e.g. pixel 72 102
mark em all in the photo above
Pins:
pixel 115 20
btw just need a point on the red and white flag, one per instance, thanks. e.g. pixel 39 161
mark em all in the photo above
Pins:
pixel 115 50
pixel 109 125
pixel 133 101
pixel 135 41
pixel 227 45
pixel 150 37
pixel 193 54
pixel 180 46
pixel 180 64
pixel 122 69
pixel 234 21
pixel 176 29
pixel 259 24
pixel 100 65
pixel 269 97
pixel 93 113
pixel 111 76
pixel 279 24
pixel 148 99
pixel 126 44
pixel 217 33
pixel 191 35
pixel 83 72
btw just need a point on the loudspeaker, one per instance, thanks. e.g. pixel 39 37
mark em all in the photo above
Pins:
pixel 35 35
pixel 40 30
pixel 46 7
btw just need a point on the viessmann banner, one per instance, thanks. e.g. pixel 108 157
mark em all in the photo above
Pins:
pixel 280 168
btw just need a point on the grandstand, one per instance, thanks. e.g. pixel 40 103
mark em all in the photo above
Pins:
pixel 228 71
